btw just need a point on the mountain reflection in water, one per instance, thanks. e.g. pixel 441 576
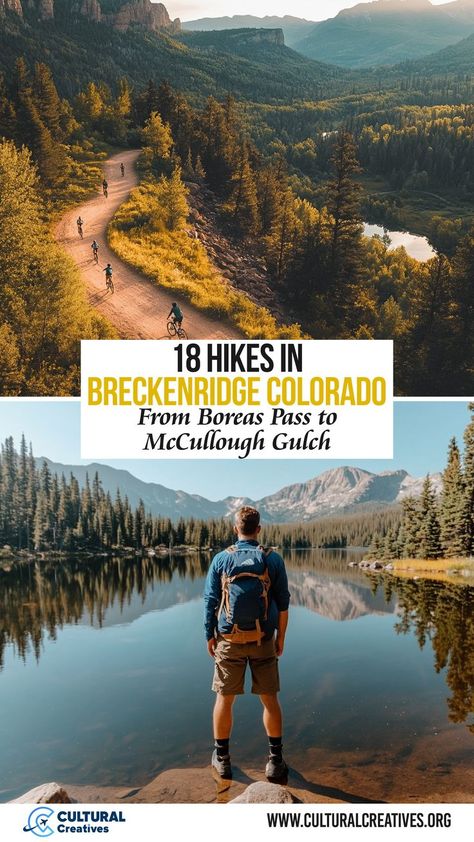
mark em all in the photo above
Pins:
pixel 38 599
pixel 109 653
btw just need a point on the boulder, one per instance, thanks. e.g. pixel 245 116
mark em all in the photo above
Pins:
pixel 51 793
pixel 265 793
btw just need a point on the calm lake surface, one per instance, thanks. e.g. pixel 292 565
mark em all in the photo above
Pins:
pixel 105 679
pixel 416 246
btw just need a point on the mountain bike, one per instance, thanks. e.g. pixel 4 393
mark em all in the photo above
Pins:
pixel 176 330
pixel 95 253
pixel 109 283
pixel 80 231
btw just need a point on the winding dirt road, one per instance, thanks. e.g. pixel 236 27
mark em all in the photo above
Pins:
pixel 138 308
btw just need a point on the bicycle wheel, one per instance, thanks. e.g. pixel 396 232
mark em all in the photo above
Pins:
pixel 182 333
pixel 171 328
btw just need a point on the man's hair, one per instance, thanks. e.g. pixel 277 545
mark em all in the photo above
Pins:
pixel 247 520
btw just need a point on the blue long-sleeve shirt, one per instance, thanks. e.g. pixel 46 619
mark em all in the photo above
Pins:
pixel 278 595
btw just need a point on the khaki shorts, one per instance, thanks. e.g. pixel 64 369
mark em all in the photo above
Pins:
pixel 231 661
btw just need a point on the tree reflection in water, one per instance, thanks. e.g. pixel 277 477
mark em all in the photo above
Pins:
pixel 39 598
pixel 442 614
pixel 42 597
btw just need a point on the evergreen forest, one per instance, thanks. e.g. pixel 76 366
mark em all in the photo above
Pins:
pixel 298 155
pixel 41 511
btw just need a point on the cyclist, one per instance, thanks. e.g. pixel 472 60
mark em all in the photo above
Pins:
pixel 175 314
pixel 108 275
pixel 122 170
pixel 95 250
pixel 105 187
pixel 80 223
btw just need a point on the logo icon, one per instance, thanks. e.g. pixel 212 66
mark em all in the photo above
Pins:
pixel 38 822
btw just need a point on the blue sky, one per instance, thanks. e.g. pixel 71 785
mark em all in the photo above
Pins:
pixel 422 433
pixel 192 9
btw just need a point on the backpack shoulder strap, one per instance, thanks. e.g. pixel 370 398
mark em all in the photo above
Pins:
pixel 224 603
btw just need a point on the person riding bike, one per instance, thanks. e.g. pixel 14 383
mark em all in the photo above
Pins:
pixel 122 170
pixel 80 223
pixel 95 249
pixel 108 274
pixel 175 314
pixel 105 187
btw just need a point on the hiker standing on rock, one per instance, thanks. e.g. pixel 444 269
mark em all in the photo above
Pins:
pixel 246 600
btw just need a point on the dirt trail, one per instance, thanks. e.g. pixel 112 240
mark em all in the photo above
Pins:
pixel 138 308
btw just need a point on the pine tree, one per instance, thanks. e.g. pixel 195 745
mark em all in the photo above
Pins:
pixel 7 112
pixel 468 481
pixel 430 530
pixel 244 195
pixel 219 149
pixel 463 297
pixel 46 99
pixel 343 203
pixel 391 548
pixel 270 186
pixel 199 169
pixel 430 341
pixel 188 165
pixel 410 528
pixel 33 131
pixel 280 242
pixel 451 507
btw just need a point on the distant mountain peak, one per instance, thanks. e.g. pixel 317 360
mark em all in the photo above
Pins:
pixel 345 489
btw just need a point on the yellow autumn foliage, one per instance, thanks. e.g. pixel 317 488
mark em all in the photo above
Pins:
pixel 143 237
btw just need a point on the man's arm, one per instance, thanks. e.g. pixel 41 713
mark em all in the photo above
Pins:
pixel 212 597
pixel 281 595
pixel 281 632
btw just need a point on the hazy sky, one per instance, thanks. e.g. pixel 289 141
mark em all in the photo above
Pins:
pixel 192 9
pixel 422 433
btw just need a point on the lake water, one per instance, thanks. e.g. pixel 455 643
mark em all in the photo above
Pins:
pixel 416 246
pixel 105 679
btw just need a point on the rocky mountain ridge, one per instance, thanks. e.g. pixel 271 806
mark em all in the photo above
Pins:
pixel 119 15
pixel 293 28
pixel 338 491
pixel 368 34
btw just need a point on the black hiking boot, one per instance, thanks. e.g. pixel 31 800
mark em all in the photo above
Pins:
pixel 222 765
pixel 276 768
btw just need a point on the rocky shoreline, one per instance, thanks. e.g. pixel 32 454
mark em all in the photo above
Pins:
pixel 348 779
pixel 419 569
pixel 180 786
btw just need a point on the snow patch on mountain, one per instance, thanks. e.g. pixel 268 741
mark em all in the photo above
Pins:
pixel 337 491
